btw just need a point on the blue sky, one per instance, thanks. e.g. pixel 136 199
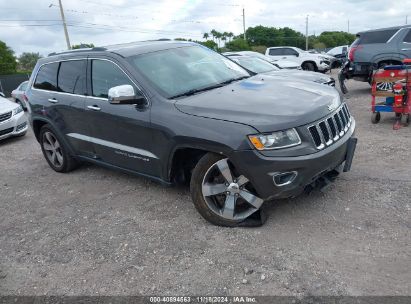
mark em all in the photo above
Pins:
pixel 35 27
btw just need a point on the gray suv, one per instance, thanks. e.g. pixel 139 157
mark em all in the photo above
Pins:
pixel 376 48
pixel 178 112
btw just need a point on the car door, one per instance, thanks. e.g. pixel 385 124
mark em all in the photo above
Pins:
pixel 405 44
pixel 291 55
pixel 121 133
pixel 69 104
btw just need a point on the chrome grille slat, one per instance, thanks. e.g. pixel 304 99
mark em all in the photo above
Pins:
pixel 331 129
pixel 5 116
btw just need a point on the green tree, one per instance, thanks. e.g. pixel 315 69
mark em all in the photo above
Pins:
pixel 205 36
pixel 8 63
pixel 209 43
pixel 332 39
pixel 238 44
pixel 27 61
pixel 82 46
pixel 271 36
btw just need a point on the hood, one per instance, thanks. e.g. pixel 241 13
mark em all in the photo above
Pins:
pixel 7 105
pixel 264 102
pixel 304 75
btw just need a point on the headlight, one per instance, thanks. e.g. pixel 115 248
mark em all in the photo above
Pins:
pixel 17 110
pixel 275 140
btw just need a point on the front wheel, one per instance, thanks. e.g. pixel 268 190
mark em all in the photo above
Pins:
pixel 309 66
pixel 219 194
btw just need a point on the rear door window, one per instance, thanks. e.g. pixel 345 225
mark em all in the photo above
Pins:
pixel 377 36
pixel 71 77
pixel 290 52
pixel 276 52
pixel 47 77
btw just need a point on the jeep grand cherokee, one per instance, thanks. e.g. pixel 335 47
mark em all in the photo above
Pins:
pixel 176 111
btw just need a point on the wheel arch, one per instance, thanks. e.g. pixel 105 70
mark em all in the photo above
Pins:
pixel 310 61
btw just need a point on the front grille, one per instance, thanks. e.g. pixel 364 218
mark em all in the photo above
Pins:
pixel 5 116
pixel 326 132
pixel 6 131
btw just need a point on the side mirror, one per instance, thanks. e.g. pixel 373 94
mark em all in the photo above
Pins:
pixel 124 94
pixel 297 54
pixel 2 94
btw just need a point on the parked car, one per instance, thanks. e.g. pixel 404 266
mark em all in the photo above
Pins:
pixel 340 53
pixel 308 61
pixel 13 122
pixel 375 49
pixel 280 63
pixel 18 94
pixel 177 111
pixel 259 66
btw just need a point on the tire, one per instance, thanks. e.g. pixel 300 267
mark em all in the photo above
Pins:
pixel 309 66
pixel 375 117
pixel 213 207
pixel 51 144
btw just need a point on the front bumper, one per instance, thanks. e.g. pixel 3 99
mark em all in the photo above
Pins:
pixel 260 169
pixel 324 66
pixel 16 125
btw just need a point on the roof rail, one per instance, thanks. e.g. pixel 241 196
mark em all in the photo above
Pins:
pixel 98 48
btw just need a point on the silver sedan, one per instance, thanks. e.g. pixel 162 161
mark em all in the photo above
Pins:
pixel 13 121
pixel 18 94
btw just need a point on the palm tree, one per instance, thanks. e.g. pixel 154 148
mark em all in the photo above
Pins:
pixel 213 33
pixel 230 36
pixel 224 38
pixel 218 35
pixel 205 36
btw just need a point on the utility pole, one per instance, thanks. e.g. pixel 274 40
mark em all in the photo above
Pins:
pixel 64 25
pixel 306 33
pixel 406 19
pixel 244 23
pixel 348 26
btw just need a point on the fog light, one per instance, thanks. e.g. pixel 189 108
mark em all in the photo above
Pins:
pixel 284 178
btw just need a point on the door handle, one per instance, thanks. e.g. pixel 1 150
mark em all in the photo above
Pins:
pixel 284 57
pixel 53 100
pixel 94 108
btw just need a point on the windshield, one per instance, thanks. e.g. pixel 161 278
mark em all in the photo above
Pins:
pixel 176 71
pixel 255 65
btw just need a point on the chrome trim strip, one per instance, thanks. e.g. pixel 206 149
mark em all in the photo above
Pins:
pixel 113 145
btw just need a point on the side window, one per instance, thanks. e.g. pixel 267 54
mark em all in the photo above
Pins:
pixel 377 36
pixel 290 52
pixel 276 52
pixel 407 37
pixel 47 77
pixel 105 75
pixel 71 77
pixel 23 86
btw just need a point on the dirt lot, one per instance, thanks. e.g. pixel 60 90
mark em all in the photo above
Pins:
pixel 96 231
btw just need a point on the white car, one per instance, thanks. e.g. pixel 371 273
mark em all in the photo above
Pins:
pixel 308 61
pixel 280 63
pixel 13 122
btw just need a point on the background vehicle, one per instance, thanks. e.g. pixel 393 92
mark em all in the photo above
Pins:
pixel 13 122
pixel 259 66
pixel 176 111
pixel 280 63
pixel 18 94
pixel 308 61
pixel 375 49
pixel 340 53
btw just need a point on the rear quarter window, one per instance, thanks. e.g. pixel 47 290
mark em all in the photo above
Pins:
pixel 46 78
pixel 376 37
pixel 275 52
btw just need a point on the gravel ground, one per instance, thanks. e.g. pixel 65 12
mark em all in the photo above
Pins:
pixel 96 231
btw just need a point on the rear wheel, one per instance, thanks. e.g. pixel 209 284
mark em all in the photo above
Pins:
pixel 219 194
pixel 55 152
pixel 375 118
pixel 309 66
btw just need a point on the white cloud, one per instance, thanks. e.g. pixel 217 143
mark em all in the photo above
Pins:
pixel 117 21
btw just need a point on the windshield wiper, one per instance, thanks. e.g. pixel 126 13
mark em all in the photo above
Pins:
pixel 218 85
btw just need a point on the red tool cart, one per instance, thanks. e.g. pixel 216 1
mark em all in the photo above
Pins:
pixel 391 92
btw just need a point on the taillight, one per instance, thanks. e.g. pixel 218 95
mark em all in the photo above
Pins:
pixel 352 52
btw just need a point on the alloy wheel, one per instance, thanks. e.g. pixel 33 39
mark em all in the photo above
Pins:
pixel 229 196
pixel 52 149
